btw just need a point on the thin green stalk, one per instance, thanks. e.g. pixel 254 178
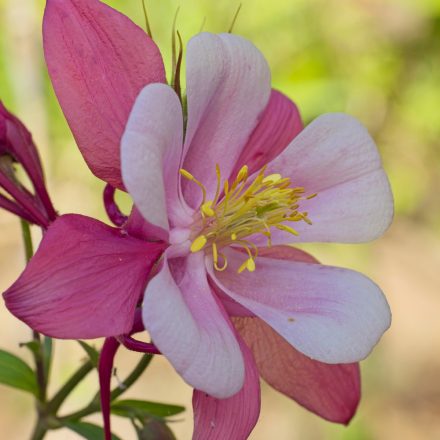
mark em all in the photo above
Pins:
pixel 132 377
pixel 95 405
pixel 39 431
pixel 40 428
pixel 27 239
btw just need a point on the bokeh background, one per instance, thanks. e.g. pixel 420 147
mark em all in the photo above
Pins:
pixel 378 60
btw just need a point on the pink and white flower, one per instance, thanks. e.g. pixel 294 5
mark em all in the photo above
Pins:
pixel 220 196
pixel 215 210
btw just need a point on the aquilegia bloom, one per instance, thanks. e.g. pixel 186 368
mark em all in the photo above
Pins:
pixel 216 201
pixel 216 209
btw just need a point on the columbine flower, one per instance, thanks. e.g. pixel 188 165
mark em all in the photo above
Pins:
pixel 217 205
pixel 215 199
pixel 17 147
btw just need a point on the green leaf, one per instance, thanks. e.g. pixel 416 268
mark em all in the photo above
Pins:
pixel 16 373
pixel 88 430
pixel 133 408
pixel 154 429
pixel 91 352
pixel 33 346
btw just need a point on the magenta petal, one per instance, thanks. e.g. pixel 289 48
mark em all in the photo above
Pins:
pixel 331 391
pixel 98 61
pixel 232 418
pixel 84 281
pixel 279 124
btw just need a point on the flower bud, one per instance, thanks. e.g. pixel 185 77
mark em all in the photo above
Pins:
pixel 17 147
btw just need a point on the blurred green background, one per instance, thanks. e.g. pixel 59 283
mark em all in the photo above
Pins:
pixel 378 60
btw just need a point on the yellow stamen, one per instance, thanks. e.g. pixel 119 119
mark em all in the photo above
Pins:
pixel 186 174
pixel 225 263
pixel 214 253
pixel 272 178
pixel 250 265
pixel 242 267
pixel 226 187
pixel 217 190
pixel 206 209
pixel 247 207
pixel 242 174
pixel 198 243
pixel 287 229
pixel 191 178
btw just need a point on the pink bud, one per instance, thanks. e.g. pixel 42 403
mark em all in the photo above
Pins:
pixel 17 146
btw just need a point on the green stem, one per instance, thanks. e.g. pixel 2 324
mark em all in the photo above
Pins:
pixel 40 428
pixel 54 405
pixel 27 239
pixel 39 431
pixel 95 405
pixel 132 377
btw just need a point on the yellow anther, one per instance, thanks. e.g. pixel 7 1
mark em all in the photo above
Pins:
pixel 226 187
pixel 311 196
pixel 242 267
pixel 198 243
pixel 207 210
pixel 233 236
pixel 287 229
pixel 190 177
pixel 186 174
pixel 272 178
pixel 250 265
pixel 243 173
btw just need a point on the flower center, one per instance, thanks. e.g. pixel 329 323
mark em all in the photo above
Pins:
pixel 242 209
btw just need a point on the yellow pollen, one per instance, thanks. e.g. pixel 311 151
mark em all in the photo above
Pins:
pixel 250 265
pixel 198 243
pixel 186 174
pixel 243 173
pixel 243 207
pixel 207 210
pixel 272 178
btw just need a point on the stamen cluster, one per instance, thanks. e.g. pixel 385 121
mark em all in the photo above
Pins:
pixel 245 208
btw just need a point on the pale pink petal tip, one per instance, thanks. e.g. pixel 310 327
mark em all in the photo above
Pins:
pixel 151 148
pixel 336 158
pixel 228 87
pixel 329 314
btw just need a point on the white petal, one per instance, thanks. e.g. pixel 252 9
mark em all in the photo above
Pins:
pixel 188 326
pixel 228 87
pixel 330 314
pixel 151 149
